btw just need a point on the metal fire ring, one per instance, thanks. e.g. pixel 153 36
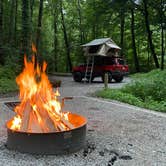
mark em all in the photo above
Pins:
pixel 48 143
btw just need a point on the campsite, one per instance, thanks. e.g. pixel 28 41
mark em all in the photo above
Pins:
pixel 82 82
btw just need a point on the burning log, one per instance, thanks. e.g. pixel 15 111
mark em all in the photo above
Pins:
pixel 34 126
pixel 46 120
pixel 67 123
pixel 36 119
pixel 26 116
pixel 61 123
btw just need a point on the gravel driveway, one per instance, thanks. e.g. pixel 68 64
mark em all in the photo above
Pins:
pixel 117 134
pixel 71 88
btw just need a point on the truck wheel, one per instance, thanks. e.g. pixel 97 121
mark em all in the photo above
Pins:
pixel 118 78
pixel 77 77
pixel 109 77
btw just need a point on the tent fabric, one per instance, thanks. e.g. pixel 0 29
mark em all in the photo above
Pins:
pixel 96 42
pixel 103 50
pixel 112 45
pixel 103 45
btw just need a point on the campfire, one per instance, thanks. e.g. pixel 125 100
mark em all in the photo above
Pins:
pixel 40 110
pixel 40 113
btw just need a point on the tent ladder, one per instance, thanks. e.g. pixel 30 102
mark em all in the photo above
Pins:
pixel 87 65
pixel 91 71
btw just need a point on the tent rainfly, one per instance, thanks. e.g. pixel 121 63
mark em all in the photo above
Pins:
pixel 101 47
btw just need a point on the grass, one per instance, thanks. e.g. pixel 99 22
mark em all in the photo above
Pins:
pixel 146 90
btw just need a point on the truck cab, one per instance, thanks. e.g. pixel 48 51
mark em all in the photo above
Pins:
pixel 115 67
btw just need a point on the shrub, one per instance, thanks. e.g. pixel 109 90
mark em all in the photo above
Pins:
pixel 7 85
pixel 7 79
pixel 151 85
pixel 146 90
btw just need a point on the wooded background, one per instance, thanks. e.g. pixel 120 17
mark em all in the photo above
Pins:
pixel 59 27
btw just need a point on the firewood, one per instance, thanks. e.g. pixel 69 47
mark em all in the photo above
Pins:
pixel 46 123
pixel 45 116
pixel 59 123
pixel 34 126
pixel 25 116
pixel 58 126
pixel 67 123
pixel 46 120
pixel 40 122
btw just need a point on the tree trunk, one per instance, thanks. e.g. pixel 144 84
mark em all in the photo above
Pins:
pixel 54 11
pixel 31 19
pixel 31 7
pixel 94 31
pixel 25 28
pixel 69 64
pixel 162 47
pixel 15 23
pixel 150 34
pixel 39 24
pixel 11 24
pixel 81 33
pixel 55 41
pixel 1 33
pixel 82 39
pixel 133 42
pixel 122 24
pixel 162 35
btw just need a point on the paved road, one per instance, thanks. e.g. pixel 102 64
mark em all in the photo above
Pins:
pixel 117 134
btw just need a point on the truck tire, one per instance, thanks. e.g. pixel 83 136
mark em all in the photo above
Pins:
pixel 118 78
pixel 77 76
pixel 109 77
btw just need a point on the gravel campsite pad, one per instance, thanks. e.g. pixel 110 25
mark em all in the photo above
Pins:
pixel 117 134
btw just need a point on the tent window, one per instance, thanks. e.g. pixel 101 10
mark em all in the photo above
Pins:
pixel 112 50
pixel 94 49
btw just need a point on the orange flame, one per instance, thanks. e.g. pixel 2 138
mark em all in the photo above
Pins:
pixel 16 123
pixel 39 110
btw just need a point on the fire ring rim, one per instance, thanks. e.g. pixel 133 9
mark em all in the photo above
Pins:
pixel 62 142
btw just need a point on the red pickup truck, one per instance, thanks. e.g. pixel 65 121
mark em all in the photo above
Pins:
pixel 114 66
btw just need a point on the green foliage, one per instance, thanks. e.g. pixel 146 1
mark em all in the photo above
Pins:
pixel 7 80
pixel 150 85
pixel 6 72
pixel 7 85
pixel 147 90
pixel 91 19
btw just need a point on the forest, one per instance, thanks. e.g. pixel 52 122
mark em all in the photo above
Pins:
pixel 58 28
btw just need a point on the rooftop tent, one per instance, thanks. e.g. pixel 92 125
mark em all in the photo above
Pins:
pixel 101 47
